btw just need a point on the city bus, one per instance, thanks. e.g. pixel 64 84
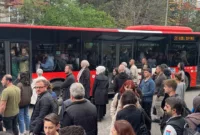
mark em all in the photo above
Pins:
pixel 100 46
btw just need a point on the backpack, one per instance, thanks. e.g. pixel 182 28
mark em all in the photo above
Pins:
pixel 189 131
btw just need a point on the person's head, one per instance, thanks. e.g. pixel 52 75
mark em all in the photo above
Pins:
pixel 159 69
pixel 51 124
pixel 173 106
pixel 181 66
pixel 100 70
pixel 68 69
pixel 144 61
pixel 77 91
pixel 24 78
pixel 72 130
pixel 132 62
pixel 39 72
pixel 13 51
pixel 196 104
pixel 128 97
pixel 122 127
pixel 170 86
pixel 115 71
pixel 41 86
pixel 178 77
pixel 147 73
pixel 124 63
pixel 127 85
pixel 121 68
pixel 84 64
pixel 24 51
pixel 6 80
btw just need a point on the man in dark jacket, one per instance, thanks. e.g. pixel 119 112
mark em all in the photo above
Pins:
pixel 159 91
pixel 80 112
pixel 120 78
pixel 44 105
pixel 67 83
pixel 175 124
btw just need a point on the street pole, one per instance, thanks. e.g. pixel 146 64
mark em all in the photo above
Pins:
pixel 166 15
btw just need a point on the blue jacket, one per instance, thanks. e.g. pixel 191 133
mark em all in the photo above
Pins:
pixel 147 88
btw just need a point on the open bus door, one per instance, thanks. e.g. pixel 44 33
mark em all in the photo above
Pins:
pixel 20 58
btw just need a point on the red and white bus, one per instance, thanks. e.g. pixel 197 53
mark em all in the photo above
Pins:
pixel 108 47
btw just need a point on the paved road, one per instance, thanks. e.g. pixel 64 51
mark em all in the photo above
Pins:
pixel 104 125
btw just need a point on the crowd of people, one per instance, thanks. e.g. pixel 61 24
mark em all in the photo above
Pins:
pixel 131 108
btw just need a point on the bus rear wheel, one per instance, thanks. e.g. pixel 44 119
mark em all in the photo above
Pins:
pixel 187 82
pixel 56 87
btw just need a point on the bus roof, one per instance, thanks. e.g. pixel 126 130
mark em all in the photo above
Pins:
pixel 154 29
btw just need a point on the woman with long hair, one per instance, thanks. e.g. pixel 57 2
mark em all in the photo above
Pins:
pixel 122 127
pixel 180 89
pixel 26 93
pixel 181 71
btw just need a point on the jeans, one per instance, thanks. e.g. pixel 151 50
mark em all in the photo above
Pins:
pixel 147 107
pixel 23 119
pixel 10 123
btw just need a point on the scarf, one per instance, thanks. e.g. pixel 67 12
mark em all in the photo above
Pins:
pixel 80 73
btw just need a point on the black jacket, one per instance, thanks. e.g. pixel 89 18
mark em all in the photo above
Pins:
pixel 177 123
pixel 66 85
pixel 44 105
pixel 85 81
pixel 81 113
pixel 132 115
pixel 119 81
pixel 100 89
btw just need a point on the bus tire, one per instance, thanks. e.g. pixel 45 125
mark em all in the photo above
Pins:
pixel 187 82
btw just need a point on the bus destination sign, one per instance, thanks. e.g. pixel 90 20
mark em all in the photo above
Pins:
pixel 184 38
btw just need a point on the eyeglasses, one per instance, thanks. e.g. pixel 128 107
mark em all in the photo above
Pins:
pixel 39 87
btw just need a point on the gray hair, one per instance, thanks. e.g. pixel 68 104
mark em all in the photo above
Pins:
pixel 39 72
pixel 121 68
pixel 124 63
pixel 100 69
pixel 77 91
pixel 85 63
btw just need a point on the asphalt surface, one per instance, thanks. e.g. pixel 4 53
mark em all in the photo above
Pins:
pixel 104 125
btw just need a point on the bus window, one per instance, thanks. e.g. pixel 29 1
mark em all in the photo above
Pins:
pixel 19 58
pixel 91 53
pixel 153 49
pixel 182 52
pixel 54 57
pixel 2 63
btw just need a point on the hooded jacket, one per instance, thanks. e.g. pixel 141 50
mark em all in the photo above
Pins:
pixel 119 81
pixel 193 120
